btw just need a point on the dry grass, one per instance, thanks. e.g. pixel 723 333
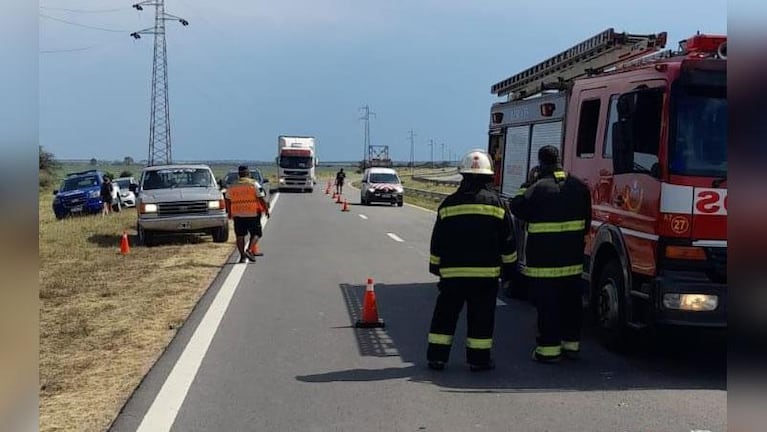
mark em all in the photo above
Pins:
pixel 105 318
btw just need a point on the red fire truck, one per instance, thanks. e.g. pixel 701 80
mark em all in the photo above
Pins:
pixel 646 130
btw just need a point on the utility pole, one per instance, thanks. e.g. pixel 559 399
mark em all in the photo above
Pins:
pixel 159 120
pixel 412 135
pixel 366 144
pixel 431 148
pixel 443 153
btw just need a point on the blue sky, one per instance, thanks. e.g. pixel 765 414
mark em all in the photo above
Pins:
pixel 245 71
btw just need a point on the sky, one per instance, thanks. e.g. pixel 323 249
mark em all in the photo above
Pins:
pixel 245 71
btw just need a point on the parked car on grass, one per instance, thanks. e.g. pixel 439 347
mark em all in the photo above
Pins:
pixel 180 198
pixel 127 196
pixel 80 193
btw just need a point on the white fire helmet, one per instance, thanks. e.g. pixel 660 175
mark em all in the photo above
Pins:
pixel 476 162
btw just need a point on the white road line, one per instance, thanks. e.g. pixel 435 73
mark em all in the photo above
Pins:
pixel 363 216
pixel 499 302
pixel 162 413
pixel 395 237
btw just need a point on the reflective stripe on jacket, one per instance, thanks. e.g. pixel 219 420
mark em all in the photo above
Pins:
pixel 473 236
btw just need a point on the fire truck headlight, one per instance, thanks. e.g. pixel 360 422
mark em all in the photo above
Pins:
pixel 691 302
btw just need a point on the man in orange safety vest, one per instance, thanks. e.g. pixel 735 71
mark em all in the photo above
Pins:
pixel 246 205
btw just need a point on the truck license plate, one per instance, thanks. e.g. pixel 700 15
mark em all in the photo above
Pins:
pixel 386 196
pixel 77 209
pixel 184 225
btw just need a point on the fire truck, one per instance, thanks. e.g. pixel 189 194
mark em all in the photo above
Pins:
pixel 646 129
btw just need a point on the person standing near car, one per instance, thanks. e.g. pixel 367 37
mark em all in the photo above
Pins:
pixel 472 246
pixel 106 195
pixel 340 177
pixel 246 204
pixel 556 210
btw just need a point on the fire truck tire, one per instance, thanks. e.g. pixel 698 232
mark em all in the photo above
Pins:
pixel 610 306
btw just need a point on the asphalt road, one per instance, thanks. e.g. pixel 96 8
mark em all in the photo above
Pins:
pixel 285 357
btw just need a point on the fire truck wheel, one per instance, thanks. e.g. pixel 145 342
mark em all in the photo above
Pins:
pixel 610 306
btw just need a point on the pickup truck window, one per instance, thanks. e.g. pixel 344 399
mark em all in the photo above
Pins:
pixel 177 178
pixel 79 183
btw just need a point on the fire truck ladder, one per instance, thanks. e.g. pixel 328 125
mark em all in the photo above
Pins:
pixel 592 56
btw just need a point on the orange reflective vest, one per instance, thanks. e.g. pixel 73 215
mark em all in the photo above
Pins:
pixel 243 200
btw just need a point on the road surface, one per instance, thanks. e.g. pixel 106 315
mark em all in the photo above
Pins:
pixel 271 347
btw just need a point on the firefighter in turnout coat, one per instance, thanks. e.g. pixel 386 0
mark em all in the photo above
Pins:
pixel 556 209
pixel 472 247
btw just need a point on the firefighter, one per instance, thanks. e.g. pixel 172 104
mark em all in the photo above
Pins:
pixel 472 246
pixel 246 205
pixel 556 209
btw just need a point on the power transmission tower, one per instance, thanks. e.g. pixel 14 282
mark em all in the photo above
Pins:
pixel 159 120
pixel 366 145
pixel 412 136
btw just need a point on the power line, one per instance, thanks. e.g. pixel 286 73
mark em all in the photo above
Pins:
pixel 82 25
pixel 83 11
pixel 67 50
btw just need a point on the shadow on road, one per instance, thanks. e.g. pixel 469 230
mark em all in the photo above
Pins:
pixel 677 361
pixel 113 241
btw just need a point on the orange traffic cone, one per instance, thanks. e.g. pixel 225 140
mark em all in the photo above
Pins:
pixel 370 317
pixel 338 199
pixel 327 190
pixel 345 206
pixel 256 251
pixel 335 195
pixel 124 245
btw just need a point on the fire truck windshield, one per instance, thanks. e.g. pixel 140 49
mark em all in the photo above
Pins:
pixel 698 138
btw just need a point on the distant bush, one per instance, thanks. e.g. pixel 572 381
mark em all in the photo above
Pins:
pixel 126 174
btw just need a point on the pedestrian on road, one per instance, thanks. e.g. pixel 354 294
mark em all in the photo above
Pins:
pixel 340 177
pixel 472 246
pixel 106 195
pixel 556 210
pixel 246 205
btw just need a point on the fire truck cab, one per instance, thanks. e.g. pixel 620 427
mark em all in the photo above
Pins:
pixel 646 130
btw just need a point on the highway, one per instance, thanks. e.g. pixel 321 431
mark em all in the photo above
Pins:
pixel 271 347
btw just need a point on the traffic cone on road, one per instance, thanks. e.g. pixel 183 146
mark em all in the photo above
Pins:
pixel 335 196
pixel 370 317
pixel 345 206
pixel 338 199
pixel 255 250
pixel 124 244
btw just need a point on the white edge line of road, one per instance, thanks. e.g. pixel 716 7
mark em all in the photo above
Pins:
pixel 395 237
pixel 162 413
pixel 363 216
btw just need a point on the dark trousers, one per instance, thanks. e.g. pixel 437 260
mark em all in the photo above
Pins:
pixel 560 309
pixel 479 294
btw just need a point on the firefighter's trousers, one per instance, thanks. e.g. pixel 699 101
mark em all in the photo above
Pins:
pixel 479 294
pixel 560 314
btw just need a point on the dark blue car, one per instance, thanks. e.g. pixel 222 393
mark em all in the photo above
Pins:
pixel 80 193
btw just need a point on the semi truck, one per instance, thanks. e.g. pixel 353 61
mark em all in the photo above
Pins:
pixel 646 129
pixel 296 162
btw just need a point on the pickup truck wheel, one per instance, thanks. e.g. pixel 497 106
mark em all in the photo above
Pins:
pixel 610 306
pixel 221 235
pixel 145 237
